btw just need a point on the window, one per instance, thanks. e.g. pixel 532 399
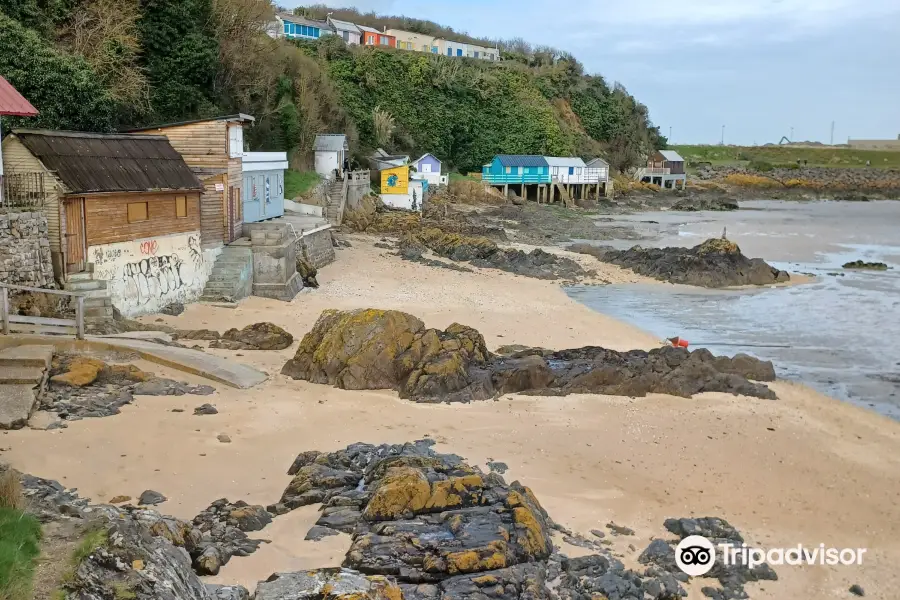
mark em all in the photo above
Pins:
pixel 424 47
pixel 315 32
pixel 476 54
pixel 181 206
pixel 434 49
pixel 137 212
pixel 508 170
pixel 425 167
pixel 571 170
pixel 383 40
pixel 449 51
pixel 235 141
pixel 345 35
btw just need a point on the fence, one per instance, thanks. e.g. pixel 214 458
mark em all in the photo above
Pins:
pixel 41 325
pixel 24 190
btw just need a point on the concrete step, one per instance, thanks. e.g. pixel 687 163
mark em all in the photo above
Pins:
pixel 32 355
pixel 80 276
pixel 16 405
pixel 98 312
pixel 97 302
pixel 21 375
pixel 84 286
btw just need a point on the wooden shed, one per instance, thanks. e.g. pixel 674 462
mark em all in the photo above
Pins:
pixel 102 190
pixel 213 146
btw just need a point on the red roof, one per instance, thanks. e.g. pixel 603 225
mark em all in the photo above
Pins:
pixel 13 103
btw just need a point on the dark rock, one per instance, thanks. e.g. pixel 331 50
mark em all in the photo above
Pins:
pixel 619 529
pixel 174 309
pixel 227 592
pixel 377 349
pixel 710 204
pixel 238 515
pixel 259 336
pixel 715 263
pixel 497 467
pixel 196 334
pixel 598 533
pixel 224 438
pixel 336 584
pixel 857 590
pixel 151 498
pixel 303 459
pixel 318 532
pixel 383 246
pixel 206 409
pixel 168 387
pixel 868 266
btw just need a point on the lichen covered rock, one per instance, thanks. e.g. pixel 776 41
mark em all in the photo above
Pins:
pixel 384 349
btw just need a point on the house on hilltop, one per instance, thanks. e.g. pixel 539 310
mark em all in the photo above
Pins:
pixel 347 31
pixel 408 40
pixel 373 37
pixel 292 27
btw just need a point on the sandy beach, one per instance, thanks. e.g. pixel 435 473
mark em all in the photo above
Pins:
pixel 803 469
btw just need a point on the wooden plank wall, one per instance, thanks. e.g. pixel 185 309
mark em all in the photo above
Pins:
pixel 212 212
pixel 203 144
pixel 236 180
pixel 106 217
pixel 18 159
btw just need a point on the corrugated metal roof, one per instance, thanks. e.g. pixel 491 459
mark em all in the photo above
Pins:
pixel 671 156
pixel 564 161
pixel 343 25
pixel 522 160
pixel 13 103
pixel 370 29
pixel 97 162
pixel 330 142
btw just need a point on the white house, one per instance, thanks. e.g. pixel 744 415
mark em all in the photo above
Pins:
pixel 347 31
pixel 451 48
pixel 602 168
pixel 428 167
pixel 482 52
pixel 331 149
pixel 568 169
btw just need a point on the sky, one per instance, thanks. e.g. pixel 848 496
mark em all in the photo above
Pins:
pixel 760 68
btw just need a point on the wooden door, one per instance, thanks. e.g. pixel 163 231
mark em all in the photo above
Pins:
pixel 234 215
pixel 76 249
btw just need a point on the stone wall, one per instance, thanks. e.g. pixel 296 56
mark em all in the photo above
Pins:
pixel 25 249
pixel 317 247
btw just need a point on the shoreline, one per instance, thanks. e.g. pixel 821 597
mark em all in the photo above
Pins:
pixel 805 468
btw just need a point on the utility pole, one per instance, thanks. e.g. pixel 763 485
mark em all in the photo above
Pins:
pixel 792 134
pixel 832 134
pixel 722 143
pixel 670 133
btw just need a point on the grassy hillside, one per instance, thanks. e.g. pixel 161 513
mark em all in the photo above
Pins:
pixel 104 65
pixel 787 155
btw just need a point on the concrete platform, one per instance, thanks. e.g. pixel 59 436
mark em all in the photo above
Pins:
pixel 221 370
pixel 21 375
pixel 16 405
pixel 27 356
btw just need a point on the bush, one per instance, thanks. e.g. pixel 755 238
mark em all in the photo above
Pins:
pixel 761 166
pixel 744 180
pixel 20 536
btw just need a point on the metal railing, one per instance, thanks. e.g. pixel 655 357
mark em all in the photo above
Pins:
pixel 24 190
pixel 40 325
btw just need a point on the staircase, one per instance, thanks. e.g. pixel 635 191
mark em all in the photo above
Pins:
pixel 232 276
pixel 567 200
pixel 335 195
pixel 23 379
pixel 97 303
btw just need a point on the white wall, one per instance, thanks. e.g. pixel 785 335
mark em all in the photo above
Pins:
pixel 405 201
pixel 146 275
pixel 327 162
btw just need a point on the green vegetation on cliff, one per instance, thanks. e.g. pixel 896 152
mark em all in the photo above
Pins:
pixel 114 64
pixel 824 156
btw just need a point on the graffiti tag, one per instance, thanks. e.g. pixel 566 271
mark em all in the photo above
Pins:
pixel 149 247
pixel 154 277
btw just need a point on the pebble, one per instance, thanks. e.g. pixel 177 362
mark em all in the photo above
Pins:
pixel 223 438
pixel 151 498
pixel 857 590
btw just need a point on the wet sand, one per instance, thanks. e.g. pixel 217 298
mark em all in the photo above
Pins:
pixel 803 469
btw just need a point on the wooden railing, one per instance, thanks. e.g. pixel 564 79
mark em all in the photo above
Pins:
pixel 41 325
pixel 24 190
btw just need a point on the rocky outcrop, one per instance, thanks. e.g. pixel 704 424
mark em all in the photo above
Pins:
pixel 378 349
pixel 259 336
pixel 307 272
pixel 705 204
pixel 716 263
pixel 867 266
pixel 482 252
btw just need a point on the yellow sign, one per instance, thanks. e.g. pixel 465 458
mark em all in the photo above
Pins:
pixel 395 181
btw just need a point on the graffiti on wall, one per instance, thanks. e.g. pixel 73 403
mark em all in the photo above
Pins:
pixel 144 276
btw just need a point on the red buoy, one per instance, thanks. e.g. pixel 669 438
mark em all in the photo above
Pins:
pixel 679 342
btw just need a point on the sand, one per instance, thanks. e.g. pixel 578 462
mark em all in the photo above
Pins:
pixel 804 469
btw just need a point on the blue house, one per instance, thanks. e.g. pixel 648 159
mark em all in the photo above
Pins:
pixel 263 196
pixel 517 169
pixel 298 28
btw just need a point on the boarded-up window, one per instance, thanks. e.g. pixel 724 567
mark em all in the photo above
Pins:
pixel 137 211
pixel 180 206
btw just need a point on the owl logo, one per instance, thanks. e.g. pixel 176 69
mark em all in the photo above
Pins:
pixel 392 180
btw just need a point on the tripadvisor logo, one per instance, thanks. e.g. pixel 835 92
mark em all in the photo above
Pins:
pixel 696 555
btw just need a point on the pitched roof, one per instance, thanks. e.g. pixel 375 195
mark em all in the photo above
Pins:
pixel 595 161
pixel 291 18
pixel 369 29
pixel 13 103
pixel 427 154
pixel 237 118
pixel 671 156
pixel 98 162
pixel 343 25
pixel 522 160
pixel 330 142
pixel 564 161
